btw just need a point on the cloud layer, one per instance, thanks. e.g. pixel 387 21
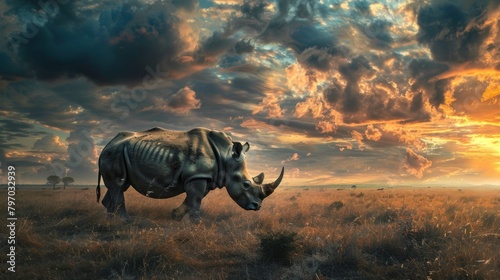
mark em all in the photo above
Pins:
pixel 358 91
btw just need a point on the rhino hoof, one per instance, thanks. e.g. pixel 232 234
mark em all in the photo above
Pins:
pixel 126 219
pixel 123 218
pixel 195 220
pixel 177 215
pixel 195 217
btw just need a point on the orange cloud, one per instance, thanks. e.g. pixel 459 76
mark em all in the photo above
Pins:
pixel 492 91
pixel 181 103
pixel 359 138
pixel 415 164
pixel 50 143
pixel 372 133
pixel 404 136
pixel 326 126
pixel 270 104
pixel 295 156
pixel 312 105
pixel 302 80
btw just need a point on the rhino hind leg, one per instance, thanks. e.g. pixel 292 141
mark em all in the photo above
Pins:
pixel 114 201
pixel 179 212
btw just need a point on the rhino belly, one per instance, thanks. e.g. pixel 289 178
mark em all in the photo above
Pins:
pixel 156 175
pixel 153 191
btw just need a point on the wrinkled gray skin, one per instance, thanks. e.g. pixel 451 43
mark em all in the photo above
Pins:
pixel 160 163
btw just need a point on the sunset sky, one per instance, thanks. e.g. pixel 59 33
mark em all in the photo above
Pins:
pixel 337 92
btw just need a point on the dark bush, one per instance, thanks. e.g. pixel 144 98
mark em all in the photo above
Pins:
pixel 278 246
pixel 336 205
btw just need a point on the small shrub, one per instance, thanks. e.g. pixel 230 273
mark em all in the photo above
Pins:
pixel 489 220
pixel 390 250
pixel 387 216
pixel 336 205
pixel 451 211
pixel 278 246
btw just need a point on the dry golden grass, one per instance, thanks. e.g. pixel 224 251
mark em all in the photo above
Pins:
pixel 408 233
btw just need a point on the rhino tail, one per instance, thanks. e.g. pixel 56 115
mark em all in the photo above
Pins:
pixel 98 188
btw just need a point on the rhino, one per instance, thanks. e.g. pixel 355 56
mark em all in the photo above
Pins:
pixel 160 163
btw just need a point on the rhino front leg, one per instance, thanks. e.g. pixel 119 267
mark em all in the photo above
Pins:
pixel 195 191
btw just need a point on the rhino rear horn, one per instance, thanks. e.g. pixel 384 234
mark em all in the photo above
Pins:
pixel 259 178
pixel 268 189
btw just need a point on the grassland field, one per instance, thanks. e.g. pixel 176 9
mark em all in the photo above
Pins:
pixel 300 233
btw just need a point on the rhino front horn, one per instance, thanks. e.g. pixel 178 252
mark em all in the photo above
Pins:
pixel 268 189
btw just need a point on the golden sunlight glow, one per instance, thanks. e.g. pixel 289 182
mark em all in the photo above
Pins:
pixel 492 91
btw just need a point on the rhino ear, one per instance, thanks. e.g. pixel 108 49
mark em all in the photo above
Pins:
pixel 259 178
pixel 237 148
pixel 246 147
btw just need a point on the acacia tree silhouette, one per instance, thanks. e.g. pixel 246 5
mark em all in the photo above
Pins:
pixel 53 180
pixel 66 181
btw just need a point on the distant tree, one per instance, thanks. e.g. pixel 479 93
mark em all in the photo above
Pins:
pixel 53 180
pixel 353 187
pixel 66 181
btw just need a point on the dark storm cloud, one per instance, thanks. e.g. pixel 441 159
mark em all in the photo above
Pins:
pixel 222 47
pixel 253 9
pixel 454 31
pixel 216 44
pixel 314 45
pixel 352 72
pixel 12 129
pixel 309 36
pixel 233 96
pixel 417 103
pixel 110 45
pixel 320 59
pixel 334 93
pixel 423 70
pixel 54 106
pixel 355 69
pixel 188 5
pixel 363 7
pixel 243 46
pixel 8 69
pixel 296 8
pixel 378 34
pixel 294 26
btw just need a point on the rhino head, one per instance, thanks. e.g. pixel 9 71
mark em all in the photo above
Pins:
pixel 248 192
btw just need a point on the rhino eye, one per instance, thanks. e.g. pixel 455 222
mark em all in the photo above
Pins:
pixel 247 185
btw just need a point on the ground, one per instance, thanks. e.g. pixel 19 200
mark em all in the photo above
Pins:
pixel 320 233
